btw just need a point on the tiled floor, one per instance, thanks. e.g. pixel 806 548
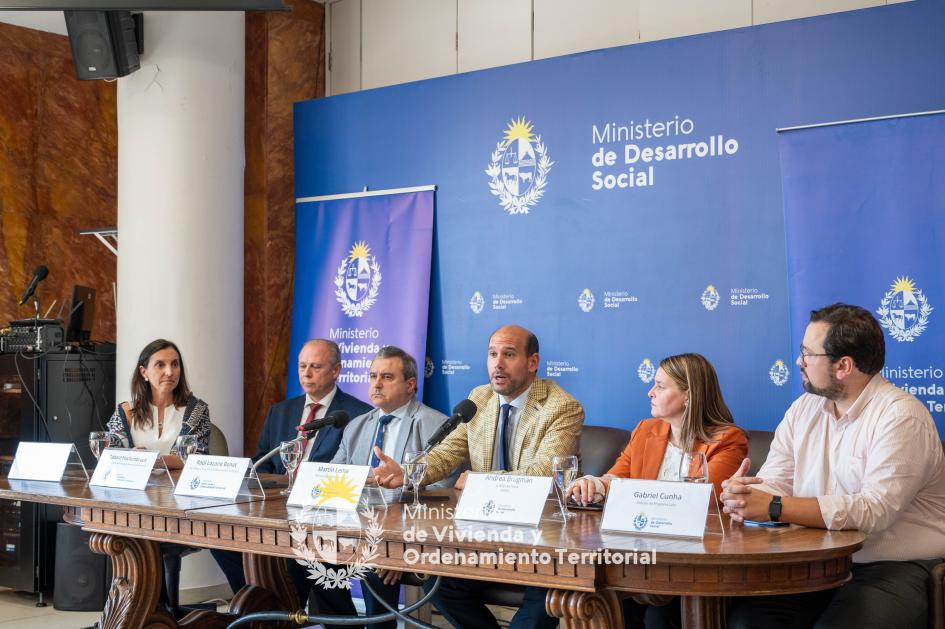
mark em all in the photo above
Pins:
pixel 19 610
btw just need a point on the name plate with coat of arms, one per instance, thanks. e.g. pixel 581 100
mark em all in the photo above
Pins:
pixel 656 507
pixel 505 498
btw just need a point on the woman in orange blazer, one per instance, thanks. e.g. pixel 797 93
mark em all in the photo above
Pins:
pixel 689 415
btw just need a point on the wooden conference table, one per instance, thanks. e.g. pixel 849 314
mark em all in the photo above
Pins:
pixel 583 592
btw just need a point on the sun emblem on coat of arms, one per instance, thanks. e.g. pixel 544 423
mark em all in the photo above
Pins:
pixel 646 371
pixel 519 168
pixel 710 298
pixel 904 310
pixel 358 280
pixel 779 373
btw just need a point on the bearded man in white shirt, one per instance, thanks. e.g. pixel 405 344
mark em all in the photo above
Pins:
pixel 854 452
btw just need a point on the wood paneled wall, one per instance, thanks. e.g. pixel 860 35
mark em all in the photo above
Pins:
pixel 58 175
pixel 285 63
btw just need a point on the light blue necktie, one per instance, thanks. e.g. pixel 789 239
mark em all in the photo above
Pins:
pixel 379 439
pixel 503 427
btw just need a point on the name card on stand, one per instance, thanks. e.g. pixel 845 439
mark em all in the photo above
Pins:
pixel 44 461
pixel 124 468
pixel 209 476
pixel 328 486
pixel 505 498
pixel 656 507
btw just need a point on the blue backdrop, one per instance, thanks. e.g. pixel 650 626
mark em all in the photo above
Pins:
pixel 864 208
pixel 537 222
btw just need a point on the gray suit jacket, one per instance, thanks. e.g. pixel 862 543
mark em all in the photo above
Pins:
pixel 420 423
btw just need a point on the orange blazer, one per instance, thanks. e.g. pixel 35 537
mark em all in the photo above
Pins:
pixel 643 455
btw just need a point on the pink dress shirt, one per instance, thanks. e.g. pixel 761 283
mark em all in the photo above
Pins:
pixel 879 469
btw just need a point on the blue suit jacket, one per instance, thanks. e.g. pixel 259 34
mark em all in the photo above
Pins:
pixel 283 419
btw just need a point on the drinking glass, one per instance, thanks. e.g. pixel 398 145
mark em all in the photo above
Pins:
pixel 101 439
pixel 415 466
pixel 693 468
pixel 184 446
pixel 291 454
pixel 564 470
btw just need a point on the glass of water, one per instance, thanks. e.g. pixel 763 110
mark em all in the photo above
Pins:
pixel 415 466
pixel 564 470
pixel 184 446
pixel 291 454
pixel 101 439
pixel 693 468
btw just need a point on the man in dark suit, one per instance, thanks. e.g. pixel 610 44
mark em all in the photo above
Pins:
pixel 319 366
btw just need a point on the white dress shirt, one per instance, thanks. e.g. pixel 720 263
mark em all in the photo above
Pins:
pixel 149 437
pixel 879 468
pixel 319 414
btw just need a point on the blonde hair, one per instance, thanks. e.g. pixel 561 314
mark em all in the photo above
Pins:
pixel 706 413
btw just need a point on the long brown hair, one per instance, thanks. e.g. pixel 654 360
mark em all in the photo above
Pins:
pixel 706 413
pixel 141 389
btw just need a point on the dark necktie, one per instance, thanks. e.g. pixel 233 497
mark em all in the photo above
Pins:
pixel 503 428
pixel 313 409
pixel 379 439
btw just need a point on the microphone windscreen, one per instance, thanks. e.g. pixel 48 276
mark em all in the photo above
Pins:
pixel 341 418
pixel 465 409
pixel 41 272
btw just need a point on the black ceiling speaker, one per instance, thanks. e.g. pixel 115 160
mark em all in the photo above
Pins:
pixel 105 44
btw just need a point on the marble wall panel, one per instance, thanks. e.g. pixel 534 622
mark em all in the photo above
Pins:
pixel 58 175
pixel 285 63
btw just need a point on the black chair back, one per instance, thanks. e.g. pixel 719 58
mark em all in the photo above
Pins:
pixel 600 447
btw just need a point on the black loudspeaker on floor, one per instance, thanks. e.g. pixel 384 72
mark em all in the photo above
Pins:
pixel 82 577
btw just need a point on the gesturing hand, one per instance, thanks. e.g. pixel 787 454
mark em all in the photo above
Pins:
pixel 388 472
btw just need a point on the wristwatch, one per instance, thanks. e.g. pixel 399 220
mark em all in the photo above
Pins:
pixel 774 509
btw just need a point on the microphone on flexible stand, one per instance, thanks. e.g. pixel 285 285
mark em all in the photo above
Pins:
pixel 462 413
pixel 338 419
pixel 39 274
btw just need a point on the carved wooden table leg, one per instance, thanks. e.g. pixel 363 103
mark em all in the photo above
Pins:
pixel 702 612
pixel 585 610
pixel 137 573
pixel 271 574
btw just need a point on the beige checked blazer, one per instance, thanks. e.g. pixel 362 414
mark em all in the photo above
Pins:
pixel 550 425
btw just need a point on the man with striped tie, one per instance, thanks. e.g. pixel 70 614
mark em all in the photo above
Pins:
pixel 399 424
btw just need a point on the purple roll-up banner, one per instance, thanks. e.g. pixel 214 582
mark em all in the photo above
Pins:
pixel 362 278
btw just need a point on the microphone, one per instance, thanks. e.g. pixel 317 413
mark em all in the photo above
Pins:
pixel 338 419
pixel 39 274
pixel 462 413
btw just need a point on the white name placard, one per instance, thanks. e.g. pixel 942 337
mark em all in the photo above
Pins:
pixel 328 485
pixel 40 461
pixel 505 498
pixel 656 507
pixel 127 469
pixel 211 476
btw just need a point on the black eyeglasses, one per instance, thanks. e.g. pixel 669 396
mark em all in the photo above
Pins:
pixel 804 355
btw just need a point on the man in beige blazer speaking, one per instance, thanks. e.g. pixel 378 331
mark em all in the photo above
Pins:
pixel 522 423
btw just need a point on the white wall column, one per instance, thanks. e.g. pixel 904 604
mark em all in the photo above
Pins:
pixel 180 210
